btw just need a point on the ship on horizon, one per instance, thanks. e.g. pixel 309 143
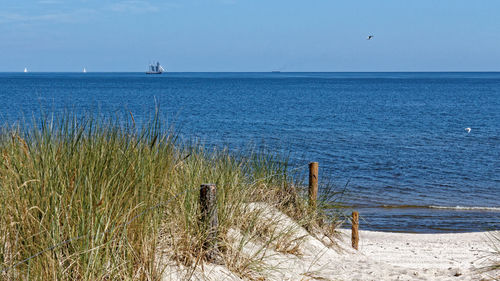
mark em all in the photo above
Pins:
pixel 155 69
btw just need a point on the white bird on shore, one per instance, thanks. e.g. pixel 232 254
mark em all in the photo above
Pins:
pixel 468 130
pixel 369 37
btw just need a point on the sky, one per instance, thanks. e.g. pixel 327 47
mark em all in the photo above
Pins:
pixel 250 35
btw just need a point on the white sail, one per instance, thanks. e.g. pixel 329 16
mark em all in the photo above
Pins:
pixel 25 69
pixel 84 70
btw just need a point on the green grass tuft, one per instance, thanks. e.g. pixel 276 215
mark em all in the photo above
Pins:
pixel 493 261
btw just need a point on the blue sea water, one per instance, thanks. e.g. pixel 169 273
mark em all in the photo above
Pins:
pixel 396 140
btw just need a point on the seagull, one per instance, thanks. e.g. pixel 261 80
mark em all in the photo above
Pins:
pixel 468 130
pixel 369 37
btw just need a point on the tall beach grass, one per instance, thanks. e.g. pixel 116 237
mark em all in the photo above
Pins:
pixel 492 267
pixel 94 199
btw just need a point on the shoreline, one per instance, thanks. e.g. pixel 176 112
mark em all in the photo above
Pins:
pixel 347 227
pixel 428 220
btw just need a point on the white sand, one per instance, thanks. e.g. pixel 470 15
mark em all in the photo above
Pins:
pixel 452 256
pixel 381 256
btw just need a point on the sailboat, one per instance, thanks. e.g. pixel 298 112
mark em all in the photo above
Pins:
pixel 84 70
pixel 155 69
pixel 25 69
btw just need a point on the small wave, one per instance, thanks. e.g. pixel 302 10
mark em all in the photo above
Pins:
pixel 460 208
pixel 495 209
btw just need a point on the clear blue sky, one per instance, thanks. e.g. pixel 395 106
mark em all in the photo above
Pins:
pixel 250 35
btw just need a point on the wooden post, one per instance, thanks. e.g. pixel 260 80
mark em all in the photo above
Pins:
pixel 313 184
pixel 208 203
pixel 354 232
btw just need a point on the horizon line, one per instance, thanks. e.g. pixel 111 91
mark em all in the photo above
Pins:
pixel 271 71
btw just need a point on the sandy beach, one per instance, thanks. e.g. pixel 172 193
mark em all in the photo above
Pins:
pixel 406 256
pixel 381 256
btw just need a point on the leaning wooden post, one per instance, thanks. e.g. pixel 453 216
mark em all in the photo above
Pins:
pixel 208 203
pixel 354 232
pixel 313 184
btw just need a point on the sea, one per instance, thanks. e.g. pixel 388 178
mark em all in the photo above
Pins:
pixel 395 144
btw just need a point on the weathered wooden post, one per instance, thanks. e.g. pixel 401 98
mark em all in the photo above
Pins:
pixel 313 184
pixel 354 230
pixel 208 203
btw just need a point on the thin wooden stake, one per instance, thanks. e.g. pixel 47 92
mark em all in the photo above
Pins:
pixel 354 232
pixel 208 203
pixel 313 184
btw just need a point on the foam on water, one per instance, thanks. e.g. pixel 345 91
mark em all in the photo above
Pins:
pixel 463 208
pixel 493 209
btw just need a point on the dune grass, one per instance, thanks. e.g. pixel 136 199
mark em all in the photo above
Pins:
pixel 493 261
pixel 92 199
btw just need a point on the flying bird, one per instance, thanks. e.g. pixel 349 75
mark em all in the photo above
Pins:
pixel 468 130
pixel 369 37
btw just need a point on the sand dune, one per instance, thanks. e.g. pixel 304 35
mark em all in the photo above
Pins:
pixel 381 256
